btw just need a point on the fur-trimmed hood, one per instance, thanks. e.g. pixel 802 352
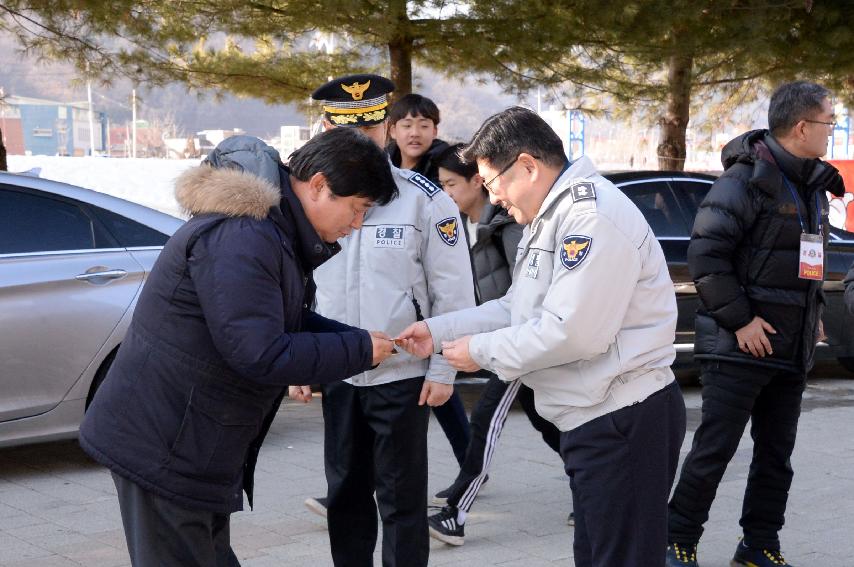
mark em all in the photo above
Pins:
pixel 240 177
pixel 230 192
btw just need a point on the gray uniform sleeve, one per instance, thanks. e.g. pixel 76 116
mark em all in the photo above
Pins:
pixel 450 286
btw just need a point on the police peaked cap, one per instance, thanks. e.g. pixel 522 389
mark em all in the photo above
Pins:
pixel 355 100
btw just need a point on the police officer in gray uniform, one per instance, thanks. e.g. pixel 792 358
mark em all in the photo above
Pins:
pixel 408 261
pixel 588 324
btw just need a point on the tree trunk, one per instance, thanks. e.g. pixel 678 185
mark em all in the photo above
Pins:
pixel 400 55
pixel 671 147
pixel 400 49
pixel 3 165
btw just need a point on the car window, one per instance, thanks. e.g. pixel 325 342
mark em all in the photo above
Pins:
pixel 693 193
pixel 29 223
pixel 659 207
pixel 130 233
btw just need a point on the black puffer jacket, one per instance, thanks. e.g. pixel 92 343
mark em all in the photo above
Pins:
pixel 493 255
pixel 744 252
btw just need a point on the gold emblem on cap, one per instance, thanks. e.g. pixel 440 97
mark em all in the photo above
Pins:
pixel 356 90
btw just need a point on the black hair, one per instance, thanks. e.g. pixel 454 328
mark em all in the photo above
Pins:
pixel 450 159
pixel 415 105
pixel 351 162
pixel 503 136
pixel 793 102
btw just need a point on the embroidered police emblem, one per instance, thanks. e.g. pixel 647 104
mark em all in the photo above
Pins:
pixel 582 190
pixel 575 249
pixel 389 237
pixel 425 184
pixel 448 230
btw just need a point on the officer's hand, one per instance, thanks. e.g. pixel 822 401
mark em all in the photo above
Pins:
pixel 752 337
pixel 457 353
pixel 383 346
pixel 434 393
pixel 417 340
pixel 300 393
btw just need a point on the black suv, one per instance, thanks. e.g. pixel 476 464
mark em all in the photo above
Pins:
pixel 669 200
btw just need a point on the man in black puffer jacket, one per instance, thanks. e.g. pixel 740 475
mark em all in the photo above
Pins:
pixel 760 317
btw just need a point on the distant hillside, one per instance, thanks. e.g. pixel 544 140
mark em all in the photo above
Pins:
pixel 464 102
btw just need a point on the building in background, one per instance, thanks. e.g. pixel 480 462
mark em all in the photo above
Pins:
pixel 291 138
pixel 33 126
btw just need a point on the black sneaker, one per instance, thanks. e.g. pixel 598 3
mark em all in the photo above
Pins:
pixel 444 527
pixel 681 555
pixel 317 505
pixel 757 557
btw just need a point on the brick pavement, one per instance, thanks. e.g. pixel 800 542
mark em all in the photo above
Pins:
pixel 58 509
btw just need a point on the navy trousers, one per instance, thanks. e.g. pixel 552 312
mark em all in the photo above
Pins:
pixel 621 467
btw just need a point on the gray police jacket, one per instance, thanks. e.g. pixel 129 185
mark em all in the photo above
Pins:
pixel 590 319
pixel 408 261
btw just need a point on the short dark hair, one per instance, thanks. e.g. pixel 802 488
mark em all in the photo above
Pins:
pixel 415 105
pixel 511 132
pixel 450 159
pixel 793 102
pixel 351 162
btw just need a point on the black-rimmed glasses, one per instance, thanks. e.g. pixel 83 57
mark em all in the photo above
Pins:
pixel 832 124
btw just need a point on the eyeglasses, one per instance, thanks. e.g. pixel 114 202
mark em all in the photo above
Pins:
pixel 504 170
pixel 832 124
pixel 500 173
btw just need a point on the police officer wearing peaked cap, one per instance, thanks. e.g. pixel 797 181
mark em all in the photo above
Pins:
pixel 407 261
pixel 355 100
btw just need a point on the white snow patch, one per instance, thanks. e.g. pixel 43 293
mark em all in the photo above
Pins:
pixel 149 181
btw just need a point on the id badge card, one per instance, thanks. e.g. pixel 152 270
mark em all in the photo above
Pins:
pixel 812 257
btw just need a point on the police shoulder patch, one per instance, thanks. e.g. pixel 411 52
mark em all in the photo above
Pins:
pixel 424 184
pixel 448 230
pixel 582 190
pixel 575 249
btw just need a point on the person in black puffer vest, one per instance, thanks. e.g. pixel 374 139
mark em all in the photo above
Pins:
pixel 759 317
pixel 493 237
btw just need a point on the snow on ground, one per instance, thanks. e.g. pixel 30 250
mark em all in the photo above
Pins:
pixel 149 181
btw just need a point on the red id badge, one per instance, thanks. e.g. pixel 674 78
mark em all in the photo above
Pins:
pixel 812 257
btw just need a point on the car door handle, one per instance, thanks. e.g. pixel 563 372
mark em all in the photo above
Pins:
pixel 101 276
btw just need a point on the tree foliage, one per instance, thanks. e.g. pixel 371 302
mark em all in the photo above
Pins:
pixel 656 56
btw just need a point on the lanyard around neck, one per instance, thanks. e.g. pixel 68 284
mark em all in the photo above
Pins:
pixel 798 206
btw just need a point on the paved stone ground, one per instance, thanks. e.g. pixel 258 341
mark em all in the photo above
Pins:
pixel 58 509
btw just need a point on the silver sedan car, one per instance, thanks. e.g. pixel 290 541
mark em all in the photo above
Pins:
pixel 72 264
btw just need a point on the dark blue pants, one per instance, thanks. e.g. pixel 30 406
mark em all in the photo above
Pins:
pixel 621 467
pixel 375 440
pixel 452 417
pixel 734 394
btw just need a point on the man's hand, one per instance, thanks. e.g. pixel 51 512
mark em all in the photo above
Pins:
pixel 434 393
pixel 383 346
pixel 300 393
pixel 458 355
pixel 417 340
pixel 820 335
pixel 752 337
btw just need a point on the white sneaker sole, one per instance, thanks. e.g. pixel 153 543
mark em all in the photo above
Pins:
pixel 450 540
pixel 314 506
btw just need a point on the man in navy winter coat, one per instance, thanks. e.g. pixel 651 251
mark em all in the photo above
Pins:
pixel 221 328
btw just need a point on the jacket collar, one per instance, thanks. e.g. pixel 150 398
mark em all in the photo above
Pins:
pixel 580 168
pixel 290 217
